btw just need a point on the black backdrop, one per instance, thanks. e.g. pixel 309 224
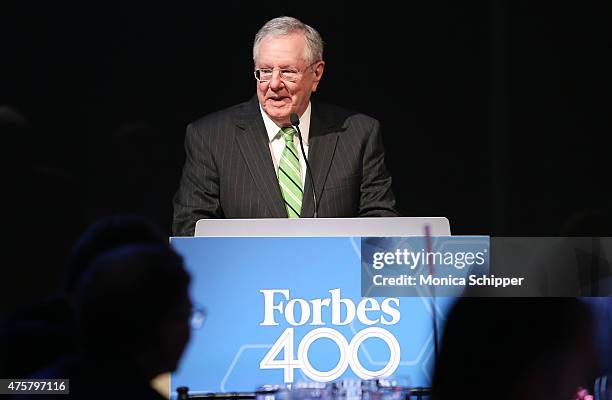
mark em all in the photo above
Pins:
pixel 494 112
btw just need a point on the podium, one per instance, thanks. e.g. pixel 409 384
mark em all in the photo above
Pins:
pixel 284 306
pixel 326 227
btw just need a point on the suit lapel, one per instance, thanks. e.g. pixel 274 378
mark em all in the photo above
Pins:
pixel 255 148
pixel 322 140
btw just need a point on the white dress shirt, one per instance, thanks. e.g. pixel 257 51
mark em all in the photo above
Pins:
pixel 277 143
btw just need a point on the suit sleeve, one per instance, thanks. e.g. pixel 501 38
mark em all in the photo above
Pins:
pixel 377 199
pixel 198 193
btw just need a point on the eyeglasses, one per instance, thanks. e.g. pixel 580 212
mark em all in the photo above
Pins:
pixel 197 316
pixel 285 74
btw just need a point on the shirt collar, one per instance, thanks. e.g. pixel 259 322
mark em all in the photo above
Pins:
pixel 273 130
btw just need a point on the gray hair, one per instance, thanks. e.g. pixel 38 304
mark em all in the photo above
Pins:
pixel 282 26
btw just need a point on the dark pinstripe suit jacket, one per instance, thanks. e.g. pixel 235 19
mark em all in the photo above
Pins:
pixel 229 172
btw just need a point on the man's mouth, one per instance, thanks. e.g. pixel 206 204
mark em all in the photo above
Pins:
pixel 277 100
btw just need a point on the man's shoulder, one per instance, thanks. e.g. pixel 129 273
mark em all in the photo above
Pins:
pixel 349 124
pixel 341 116
pixel 224 116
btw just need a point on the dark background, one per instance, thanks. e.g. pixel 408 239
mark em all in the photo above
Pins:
pixel 494 113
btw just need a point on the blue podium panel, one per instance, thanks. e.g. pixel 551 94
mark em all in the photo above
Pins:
pixel 283 310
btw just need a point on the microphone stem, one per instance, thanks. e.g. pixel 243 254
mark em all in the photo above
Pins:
pixel 308 170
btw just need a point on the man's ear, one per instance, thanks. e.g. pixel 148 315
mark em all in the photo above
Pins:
pixel 318 71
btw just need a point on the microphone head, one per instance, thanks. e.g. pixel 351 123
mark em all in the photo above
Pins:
pixel 295 120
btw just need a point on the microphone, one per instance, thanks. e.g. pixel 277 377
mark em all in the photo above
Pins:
pixel 295 122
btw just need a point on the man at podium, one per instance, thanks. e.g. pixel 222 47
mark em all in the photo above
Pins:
pixel 247 161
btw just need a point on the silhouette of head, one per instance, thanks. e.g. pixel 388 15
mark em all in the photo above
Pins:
pixel 510 348
pixel 133 306
pixel 104 235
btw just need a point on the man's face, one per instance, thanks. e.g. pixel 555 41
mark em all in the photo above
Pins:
pixel 279 98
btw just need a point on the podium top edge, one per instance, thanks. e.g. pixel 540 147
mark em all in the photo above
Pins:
pixel 311 227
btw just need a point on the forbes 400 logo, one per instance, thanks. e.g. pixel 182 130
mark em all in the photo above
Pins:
pixel 386 313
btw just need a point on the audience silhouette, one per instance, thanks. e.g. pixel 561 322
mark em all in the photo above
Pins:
pixel 513 348
pixel 46 328
pixel 132 310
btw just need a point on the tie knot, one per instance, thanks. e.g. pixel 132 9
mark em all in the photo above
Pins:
pixel 288 134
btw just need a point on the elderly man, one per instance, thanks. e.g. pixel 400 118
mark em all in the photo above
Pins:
pixel 246 161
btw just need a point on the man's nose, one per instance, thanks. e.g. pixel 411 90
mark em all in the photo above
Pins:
pixel 276 82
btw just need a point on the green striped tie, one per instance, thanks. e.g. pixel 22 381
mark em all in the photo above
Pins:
pixel 289 176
